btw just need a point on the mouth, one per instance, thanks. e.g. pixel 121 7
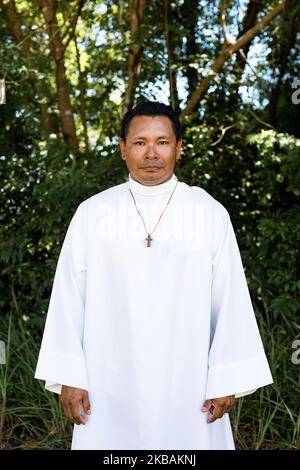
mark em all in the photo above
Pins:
pixel 151 168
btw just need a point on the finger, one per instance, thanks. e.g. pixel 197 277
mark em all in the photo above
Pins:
pixel 216 412
pixel 67 409
pixel 79 419
pixel 206 406
pixel 76 413
pixel 220 407
pixel 86 404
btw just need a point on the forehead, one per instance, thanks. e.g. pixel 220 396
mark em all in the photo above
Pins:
pixel 147 126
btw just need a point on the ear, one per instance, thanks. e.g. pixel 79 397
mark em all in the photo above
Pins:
pixel 178 149
pixel 122 144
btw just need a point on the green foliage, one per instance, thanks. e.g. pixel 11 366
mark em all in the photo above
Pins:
pixel 257 178
pixel 275 278
pixel 253 172
pixel 40 202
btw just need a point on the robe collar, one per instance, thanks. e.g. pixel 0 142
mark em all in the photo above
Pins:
pixel 152 190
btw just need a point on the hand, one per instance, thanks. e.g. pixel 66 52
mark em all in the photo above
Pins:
pixel 217 407
pixel 73 399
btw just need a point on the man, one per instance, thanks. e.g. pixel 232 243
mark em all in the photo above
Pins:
pixel 150 333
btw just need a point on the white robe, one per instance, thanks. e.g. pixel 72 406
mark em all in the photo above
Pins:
pixel 152 332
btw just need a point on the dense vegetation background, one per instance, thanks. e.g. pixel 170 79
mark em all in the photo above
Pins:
pixel 71 68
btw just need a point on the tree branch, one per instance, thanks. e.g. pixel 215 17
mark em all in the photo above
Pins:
pixel 223 132
pixel 258 119
pixel 15 23
pixel 225 53
pixel 73 22
pixel 225 4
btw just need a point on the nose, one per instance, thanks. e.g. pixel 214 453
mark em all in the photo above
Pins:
pixel 151 153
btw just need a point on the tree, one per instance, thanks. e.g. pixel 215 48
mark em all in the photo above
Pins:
pixel 71 69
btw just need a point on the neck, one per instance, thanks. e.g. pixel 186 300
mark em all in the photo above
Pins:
pixel 154 189
pixel 151 183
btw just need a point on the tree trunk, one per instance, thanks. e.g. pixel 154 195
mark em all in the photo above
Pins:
pixel 170 49
pixel 189 20
pixel 137 8
pixel 15 26
pixel 249 21
pixel 286 44
pixel 83 113
pixel 57 48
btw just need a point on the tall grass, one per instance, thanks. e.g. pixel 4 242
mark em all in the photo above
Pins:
pixel 269 419
pixel 32 418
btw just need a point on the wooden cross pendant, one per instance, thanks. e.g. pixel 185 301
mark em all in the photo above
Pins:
pixel 149 240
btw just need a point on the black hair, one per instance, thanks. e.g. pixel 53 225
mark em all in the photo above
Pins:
pixel 151 108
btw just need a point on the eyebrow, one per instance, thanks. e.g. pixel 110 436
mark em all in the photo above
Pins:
pixel 144 138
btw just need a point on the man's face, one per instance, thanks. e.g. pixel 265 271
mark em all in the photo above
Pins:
pixel 150 150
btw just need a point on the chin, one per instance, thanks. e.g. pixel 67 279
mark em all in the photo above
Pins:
pixel 156 178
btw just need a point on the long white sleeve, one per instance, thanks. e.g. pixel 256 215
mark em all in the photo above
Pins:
pixel 237 363
pixel 61 359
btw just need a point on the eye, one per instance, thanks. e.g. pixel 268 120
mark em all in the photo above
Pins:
pixel 163 142
pixel 139 142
